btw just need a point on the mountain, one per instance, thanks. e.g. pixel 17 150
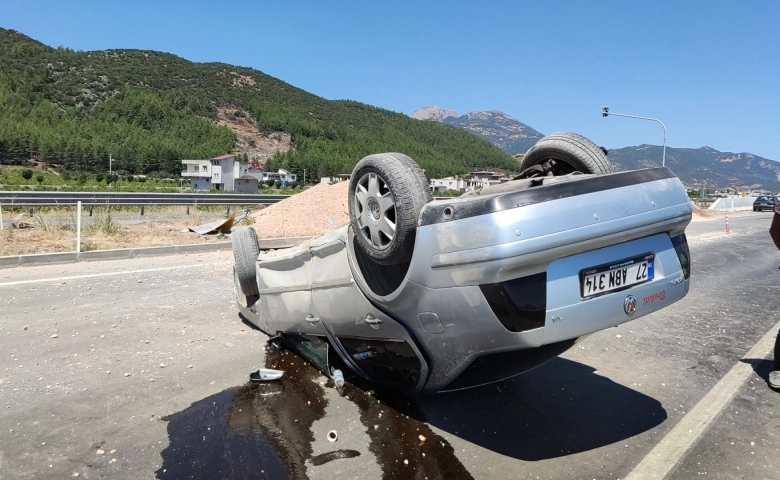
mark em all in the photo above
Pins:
pixel 498 128
pixel 703 167
pixel 697 168
pixel 433 113
pixel 149 110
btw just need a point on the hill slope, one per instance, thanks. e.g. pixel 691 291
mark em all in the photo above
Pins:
pixel 151 109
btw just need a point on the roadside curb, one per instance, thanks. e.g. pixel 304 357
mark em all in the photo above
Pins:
pixel 123 253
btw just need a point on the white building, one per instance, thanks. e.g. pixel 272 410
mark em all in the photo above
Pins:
pixel 227 173
pixel 218 173
pixel 474 180
pixel 449 183
pixel 281 175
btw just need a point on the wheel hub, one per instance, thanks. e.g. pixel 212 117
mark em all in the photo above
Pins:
pixel 374 209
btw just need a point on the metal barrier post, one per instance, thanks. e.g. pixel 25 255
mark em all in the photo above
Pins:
pixel 78 227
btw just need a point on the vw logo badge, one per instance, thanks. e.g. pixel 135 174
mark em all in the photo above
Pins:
pixel 629 305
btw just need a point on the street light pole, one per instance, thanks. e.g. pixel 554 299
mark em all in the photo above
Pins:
pixel 605 113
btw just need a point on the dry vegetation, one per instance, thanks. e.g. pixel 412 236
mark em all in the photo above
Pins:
pixel 50 236
pixel 309 213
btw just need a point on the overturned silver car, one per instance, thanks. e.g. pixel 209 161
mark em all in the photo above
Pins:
pixel 440 295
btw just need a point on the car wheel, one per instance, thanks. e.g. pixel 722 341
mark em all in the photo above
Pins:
pixel 570 153
pixel 386 193
pixel 245 252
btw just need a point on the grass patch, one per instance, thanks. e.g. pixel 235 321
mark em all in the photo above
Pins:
pixel 105 225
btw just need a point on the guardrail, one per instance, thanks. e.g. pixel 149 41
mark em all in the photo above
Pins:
pixel 31 199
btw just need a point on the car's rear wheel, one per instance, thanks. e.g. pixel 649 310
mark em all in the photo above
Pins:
pixel 563 153
pixel 245 252
pixel 386 193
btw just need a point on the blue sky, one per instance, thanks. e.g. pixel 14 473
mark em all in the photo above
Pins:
pixel 710 70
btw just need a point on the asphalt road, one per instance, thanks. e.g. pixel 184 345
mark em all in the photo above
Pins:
pixel 138 369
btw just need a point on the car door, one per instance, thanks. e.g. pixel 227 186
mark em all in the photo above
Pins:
pixel 285 293
pixel 371 341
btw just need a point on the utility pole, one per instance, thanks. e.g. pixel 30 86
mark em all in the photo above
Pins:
pixel 110 160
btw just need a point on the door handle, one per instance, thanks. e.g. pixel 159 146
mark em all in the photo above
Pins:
pixel 372 320
pixel 312 319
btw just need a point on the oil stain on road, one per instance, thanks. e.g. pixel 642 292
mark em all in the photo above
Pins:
pixel 265 430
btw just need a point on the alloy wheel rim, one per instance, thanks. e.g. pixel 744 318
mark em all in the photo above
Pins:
pixel 376 211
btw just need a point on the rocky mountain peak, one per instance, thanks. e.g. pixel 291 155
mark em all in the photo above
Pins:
pixel 495 126
pixel 433 113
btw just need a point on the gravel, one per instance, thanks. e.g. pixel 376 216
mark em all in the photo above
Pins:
pixel 307 214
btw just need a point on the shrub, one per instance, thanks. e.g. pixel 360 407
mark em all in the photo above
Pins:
pixel 81 178
pixel 270 183
pixel 99 177
pixel 27 174
pixel 65 175
pixel 142 179
pixel 39 178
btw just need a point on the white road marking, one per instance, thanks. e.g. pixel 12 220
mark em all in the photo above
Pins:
pixel 667 453
pixel 107 274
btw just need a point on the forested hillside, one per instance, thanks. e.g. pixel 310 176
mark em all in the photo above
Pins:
pixel 151 109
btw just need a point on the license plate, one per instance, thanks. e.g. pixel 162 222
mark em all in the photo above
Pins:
pixel 616 275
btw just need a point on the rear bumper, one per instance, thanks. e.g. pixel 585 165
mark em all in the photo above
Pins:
pixel 466 327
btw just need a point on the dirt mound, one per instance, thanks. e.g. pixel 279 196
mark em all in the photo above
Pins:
pixel 309 213
pixel 22 221
pixel 700 214
pixel 697 210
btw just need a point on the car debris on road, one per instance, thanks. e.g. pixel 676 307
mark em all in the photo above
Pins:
pixel 220 226
pixel 265 375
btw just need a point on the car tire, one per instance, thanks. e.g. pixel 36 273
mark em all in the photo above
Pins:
pixel 245 252
pixel 571 153
pixel 386 193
